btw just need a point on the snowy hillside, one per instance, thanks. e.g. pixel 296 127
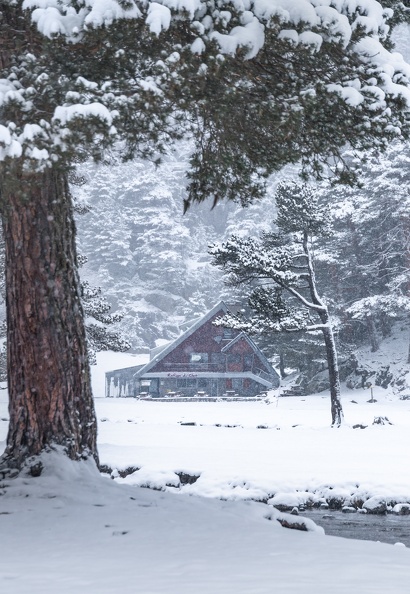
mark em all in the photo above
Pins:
pixel 153 265
pixel 389 367
pixel 152 261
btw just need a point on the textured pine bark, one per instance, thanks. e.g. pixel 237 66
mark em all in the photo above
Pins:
pixel 48 371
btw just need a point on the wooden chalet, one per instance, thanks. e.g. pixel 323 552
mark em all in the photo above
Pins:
pixel 206 360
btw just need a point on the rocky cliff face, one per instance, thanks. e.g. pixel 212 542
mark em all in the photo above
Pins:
pixel 388 367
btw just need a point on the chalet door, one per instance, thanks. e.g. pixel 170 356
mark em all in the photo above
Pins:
pixel 154 387
pixel 237 385
pixel 213 388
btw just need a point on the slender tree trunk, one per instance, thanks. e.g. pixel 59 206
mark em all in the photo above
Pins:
pixel 330 345
pixel 334 378
pixel 48 371
pixel 282 365
pixel 371 328
pixel 408 355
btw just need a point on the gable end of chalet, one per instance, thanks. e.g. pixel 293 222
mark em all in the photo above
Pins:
pixel 206 360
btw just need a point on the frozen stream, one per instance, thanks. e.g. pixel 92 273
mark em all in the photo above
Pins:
pixel 384 528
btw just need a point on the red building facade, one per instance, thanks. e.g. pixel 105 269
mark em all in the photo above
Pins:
pixel 205 360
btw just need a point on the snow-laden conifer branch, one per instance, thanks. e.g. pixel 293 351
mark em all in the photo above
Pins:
pixel 367 260
pixel 281 305
pixel 90 108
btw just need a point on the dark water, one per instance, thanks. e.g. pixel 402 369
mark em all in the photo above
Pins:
pixel 388 528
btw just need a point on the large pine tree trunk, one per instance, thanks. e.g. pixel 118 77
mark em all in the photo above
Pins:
pixel 48 371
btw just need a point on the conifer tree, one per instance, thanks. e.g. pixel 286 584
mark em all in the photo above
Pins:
pixel 369 253
pixel 257 85
pixel 285 297
pixel 97 318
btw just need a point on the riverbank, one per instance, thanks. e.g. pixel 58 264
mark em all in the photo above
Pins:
pixel 387 528
pixel 72 530
pixel 283 452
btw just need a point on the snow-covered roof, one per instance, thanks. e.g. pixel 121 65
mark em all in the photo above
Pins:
pixel 185 325
pixel 122 369
pixel 221 306
pixel 158 349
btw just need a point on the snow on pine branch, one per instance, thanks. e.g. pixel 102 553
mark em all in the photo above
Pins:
pixel 357 27
pixel 247 261
pixel 233 24
pixel 302 22
pixel 390 305
pixel 293 321
pixel 340 17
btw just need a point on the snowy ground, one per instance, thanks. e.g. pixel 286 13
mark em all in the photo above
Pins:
pixel 285 449
pixel 72 531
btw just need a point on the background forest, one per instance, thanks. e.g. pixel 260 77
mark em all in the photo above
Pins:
pixel 146 267
pixel 153 265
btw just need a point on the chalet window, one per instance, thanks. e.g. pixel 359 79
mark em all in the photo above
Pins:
pixel 234 358
pixel 237 384
pixel 217 358
pixel 149 385
pixel 202 382
pixel 199 358
pixel 186 382
pixel 145 386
